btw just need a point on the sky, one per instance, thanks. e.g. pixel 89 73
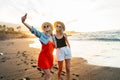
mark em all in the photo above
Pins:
pixel 78 15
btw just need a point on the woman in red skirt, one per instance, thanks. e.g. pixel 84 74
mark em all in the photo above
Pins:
pixel 45 59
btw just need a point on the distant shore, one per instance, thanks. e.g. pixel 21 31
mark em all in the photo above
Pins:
pixel 19 61
pixel 6 36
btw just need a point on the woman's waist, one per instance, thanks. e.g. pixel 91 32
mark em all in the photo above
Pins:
pixel 62 47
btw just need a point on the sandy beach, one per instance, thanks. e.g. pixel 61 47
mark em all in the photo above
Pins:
pixel 19 62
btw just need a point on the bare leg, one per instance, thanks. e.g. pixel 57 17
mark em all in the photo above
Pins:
pixel 60 66
pixel 47 74
pixel 67 64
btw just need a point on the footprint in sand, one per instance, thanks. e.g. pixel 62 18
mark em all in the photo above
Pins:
pixel 26 69
pixel 39 69
pixel 76 76
pixel 1 77
pixel 52 72
pixel 4 59
pixel 34 66
pixel 55 67
pixel 42 75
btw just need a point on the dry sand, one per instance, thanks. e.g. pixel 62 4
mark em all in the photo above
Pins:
pixel 19 61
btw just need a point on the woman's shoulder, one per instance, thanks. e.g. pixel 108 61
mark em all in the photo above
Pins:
pixel 64 34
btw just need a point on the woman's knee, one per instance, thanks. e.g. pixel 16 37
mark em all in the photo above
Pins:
pixel 48 74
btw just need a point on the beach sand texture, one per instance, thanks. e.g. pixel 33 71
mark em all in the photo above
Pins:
pixel 19 62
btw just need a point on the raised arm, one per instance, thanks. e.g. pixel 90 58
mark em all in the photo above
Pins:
pixel 31 28
pixel 23 18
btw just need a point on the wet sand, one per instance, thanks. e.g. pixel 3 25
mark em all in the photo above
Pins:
pixel 19 62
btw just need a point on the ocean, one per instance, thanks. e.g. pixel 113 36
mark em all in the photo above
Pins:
pixel 98 48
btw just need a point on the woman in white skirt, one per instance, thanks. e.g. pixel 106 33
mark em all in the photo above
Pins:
pixel 63 51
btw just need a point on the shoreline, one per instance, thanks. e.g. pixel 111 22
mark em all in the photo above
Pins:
pixel 19 61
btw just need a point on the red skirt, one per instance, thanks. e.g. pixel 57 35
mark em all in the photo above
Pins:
pixel 45 58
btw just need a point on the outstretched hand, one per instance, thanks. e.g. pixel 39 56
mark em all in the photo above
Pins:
pixel 23 18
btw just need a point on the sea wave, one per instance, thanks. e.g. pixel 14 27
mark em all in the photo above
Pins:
pixel 101 36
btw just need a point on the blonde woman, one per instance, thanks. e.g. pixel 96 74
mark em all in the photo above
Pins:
pixel 63 51
pixel 45 59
